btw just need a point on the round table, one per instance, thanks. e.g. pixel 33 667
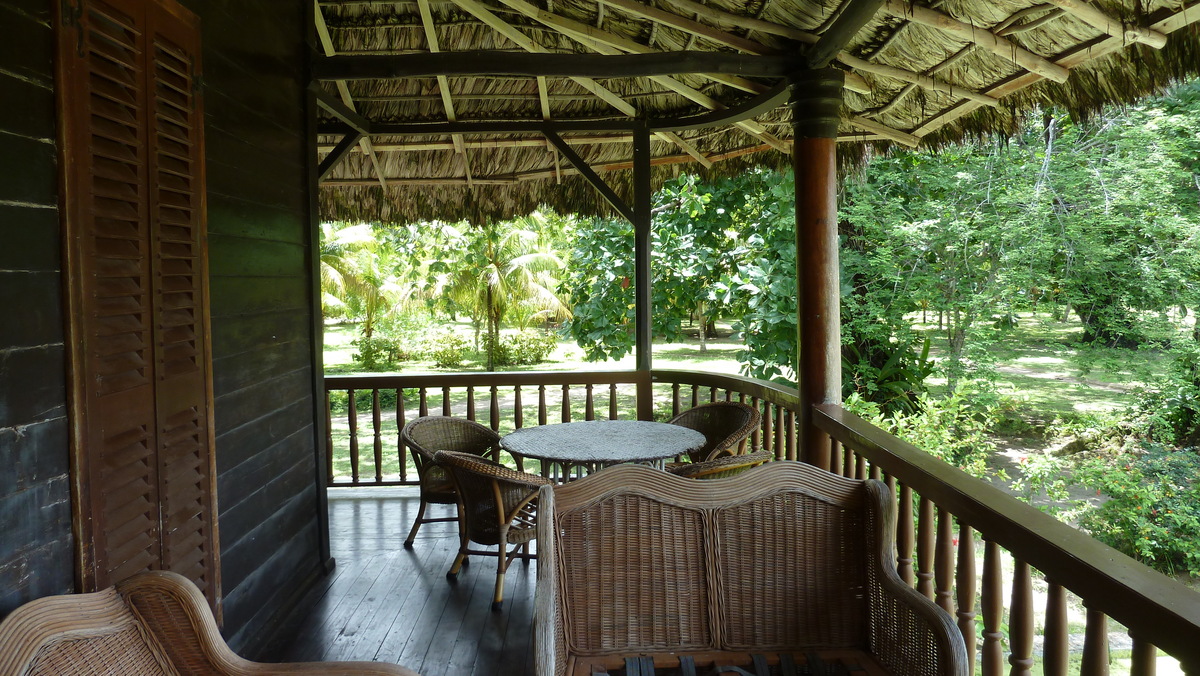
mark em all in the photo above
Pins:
pixel 589 445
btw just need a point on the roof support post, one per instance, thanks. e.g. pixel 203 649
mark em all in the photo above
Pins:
pixel 816 108
pixel 643 310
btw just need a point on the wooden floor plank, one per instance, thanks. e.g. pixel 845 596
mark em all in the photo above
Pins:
pixel 386 603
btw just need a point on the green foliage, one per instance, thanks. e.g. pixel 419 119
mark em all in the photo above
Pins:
pixel 379 352
pixel 522 349
pixel 1153 507
pixel 449 350
pixel 1169 406
pixel 953 428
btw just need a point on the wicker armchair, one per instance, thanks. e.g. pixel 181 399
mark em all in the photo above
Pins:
pixel 727 425
pixel 432 433
pixel 784 561
pixel 499 507
pixel 154 623
pixel 724 466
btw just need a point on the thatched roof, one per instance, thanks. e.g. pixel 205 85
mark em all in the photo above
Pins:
pixel 916 75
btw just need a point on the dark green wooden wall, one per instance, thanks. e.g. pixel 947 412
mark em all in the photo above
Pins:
pixel 262 313
pixel 262 321
pixel 35 513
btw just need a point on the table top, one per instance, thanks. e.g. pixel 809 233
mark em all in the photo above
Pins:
pixel 603 441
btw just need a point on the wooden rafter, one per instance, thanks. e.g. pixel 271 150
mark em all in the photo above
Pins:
pixel 524 42
pixel 1083 53
pixel 431 39
pixel 852 16
pixel 364 139
pixel 1001 47
pixel 1109 25
pixel 606 43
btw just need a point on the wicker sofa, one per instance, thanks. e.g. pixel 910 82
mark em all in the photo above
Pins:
pixel 152 624
pixel 783 561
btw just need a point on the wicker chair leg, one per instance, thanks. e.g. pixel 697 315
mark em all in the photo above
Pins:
pixel 412 534
pixel 452 574
pixel 501 569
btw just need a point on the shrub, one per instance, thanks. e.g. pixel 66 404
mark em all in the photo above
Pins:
pixel 1153 510
pixel 450 350
pixel 522 349
pixel 379 352
pixel 1169 407
pixel 953 428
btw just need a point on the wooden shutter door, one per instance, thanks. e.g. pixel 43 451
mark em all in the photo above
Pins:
pixel 133 204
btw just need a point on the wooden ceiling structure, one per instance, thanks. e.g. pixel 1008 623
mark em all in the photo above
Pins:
pixel 485 109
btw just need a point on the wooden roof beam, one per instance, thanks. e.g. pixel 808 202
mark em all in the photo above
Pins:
pixel 855 14
pixel 1112 26
pixel 338 153
pixel 995 44
pixel 350 115
pixel 903 138
pixel 645 63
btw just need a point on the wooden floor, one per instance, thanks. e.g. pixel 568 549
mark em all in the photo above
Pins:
pixel 390 604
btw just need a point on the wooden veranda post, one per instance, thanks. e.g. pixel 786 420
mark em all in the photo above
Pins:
pixel 643 310
pixel 816 103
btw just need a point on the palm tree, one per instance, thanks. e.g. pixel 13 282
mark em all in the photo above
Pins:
pixel 507 269
pixel 361 276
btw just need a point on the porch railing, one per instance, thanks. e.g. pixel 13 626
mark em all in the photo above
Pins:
pixel 976 551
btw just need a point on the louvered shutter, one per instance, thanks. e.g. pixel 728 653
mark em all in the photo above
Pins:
pixel 133 188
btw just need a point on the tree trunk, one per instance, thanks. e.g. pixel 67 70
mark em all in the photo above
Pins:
pixel 491 342
pixel 703 326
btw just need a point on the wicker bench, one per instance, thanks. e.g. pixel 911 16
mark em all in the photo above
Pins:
pixel 783 559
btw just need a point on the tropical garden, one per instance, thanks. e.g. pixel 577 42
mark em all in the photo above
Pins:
pixel 1023 306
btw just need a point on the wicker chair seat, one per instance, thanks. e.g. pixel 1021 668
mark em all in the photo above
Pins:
pixel 724 466
pixel 782 558
pixel 154 623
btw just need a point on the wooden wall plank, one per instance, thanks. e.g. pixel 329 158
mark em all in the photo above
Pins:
pixel 36 546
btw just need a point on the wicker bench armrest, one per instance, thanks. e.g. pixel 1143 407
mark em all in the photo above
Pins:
pixel 549 657
pixel 909 634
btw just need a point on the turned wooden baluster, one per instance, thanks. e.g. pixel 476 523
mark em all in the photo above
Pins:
pixel 992 604
pixel 446 400
pixel 695 396
pixel 675 407
pixel 835 456
pixel 401 448
pixel 518 409
pixel 1055 639
pixel 904 536
pixel 423 407
pixel 1144 661
pixel 377 434
pixel 943 566
pixel 612 401
pixel 471 403
pixel 353 436
pixel 589 406
pixel 875 473
pixel 494 419
pixel 756 436
pixel 768 429
pixel 1020 620
pixel 790 451
pixel 712 395
pixel 566 403
pixel 779 429
pixel 1095 645
pixel 541 404
pixel 964 584
pixel 926 531
pixel 860 467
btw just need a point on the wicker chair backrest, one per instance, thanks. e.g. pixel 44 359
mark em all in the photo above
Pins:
pixel 727 426
pixel 480 482
pixel 432 433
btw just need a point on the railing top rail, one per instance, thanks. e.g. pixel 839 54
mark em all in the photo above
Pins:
pixel 1158 609
pixel 375 381
pixel 763 389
